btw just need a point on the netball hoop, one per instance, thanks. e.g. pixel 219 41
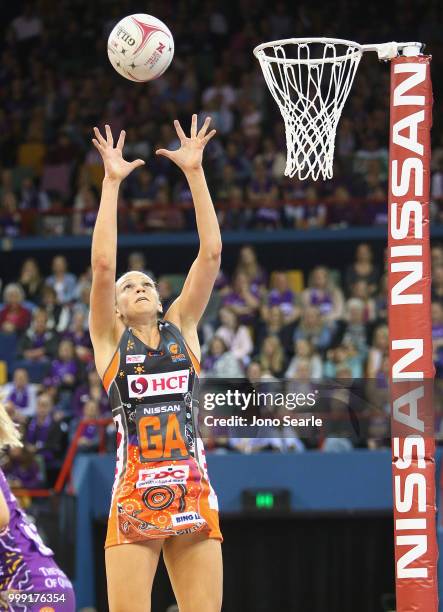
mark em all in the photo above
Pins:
pixel 310 79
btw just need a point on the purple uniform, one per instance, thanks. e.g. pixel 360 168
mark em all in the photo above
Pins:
pixel 27 564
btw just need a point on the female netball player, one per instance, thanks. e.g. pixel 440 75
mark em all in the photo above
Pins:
pixel 30 580
pixel 162 499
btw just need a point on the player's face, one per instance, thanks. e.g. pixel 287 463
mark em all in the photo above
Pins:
pixel 137 295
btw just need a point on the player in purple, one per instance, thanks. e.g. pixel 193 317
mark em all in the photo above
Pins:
pixel 30 579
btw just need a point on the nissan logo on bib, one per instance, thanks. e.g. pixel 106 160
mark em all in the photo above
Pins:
pixel 144 385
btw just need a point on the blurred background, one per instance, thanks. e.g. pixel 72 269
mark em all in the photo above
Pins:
pixel 301 293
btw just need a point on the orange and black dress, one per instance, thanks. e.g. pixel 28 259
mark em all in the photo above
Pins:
pixel 161 485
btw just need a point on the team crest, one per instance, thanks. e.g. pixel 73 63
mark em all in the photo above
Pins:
pixel 176 352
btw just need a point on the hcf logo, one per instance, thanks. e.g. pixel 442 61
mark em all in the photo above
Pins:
pixel 158 384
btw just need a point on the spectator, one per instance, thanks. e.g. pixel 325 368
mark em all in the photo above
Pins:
pixel 64 374
pixel 377 351
pixel 311 213
pixel 166 293
pixel 31 280
pixel 21 393
pixel 58 315
pixel 272 357
pixel 363 269
pixel 78 334
pixel 273 323
pixel 263 192
pixel 236 216
pixel 136 146
pixel 323 294
pixel 243 299
pixel 81 306
pixel 22 469
pixel 14 316
pixel 39 343
pixel 45 437
pixel 86 205
pixel 236 337
pixel 238 162
pixel 341 358
pixel 10 219
pixel 248 264
pixel 282 296
pixel 32 197
pixel 164 216
pixel 61 280
pixel 381 300
pixel 228 182
pixel 142 191
pixel 304 351
pixel 137 263
pixel 88 441
pixel 220 362
pixel 91 390
pixel 220 86
pixel 273 160
pixel 355 327
pixel 360 291
pixel 314 328
pixel 436 255
pixel 28 25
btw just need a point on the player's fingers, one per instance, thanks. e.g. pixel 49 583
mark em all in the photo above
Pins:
pixel 208 137
pixel 194 126
pixel 164 152
pixel 97 145
pixel 204 127
pixel 121 140
pixel 179 130
pixel 137 163
pixel 99 137
pixel 109 137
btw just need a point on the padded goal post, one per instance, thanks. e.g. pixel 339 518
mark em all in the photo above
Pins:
pixel 410 336
pixel 310 80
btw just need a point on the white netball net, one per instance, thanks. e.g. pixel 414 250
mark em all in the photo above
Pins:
pixel 310 81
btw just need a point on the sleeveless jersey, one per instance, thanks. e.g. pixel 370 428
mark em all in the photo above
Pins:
pixel 27 564
pixel 161 485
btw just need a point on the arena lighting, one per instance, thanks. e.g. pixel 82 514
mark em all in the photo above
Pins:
pixel 266 500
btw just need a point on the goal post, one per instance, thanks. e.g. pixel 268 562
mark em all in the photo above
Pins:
pixel 310 80
pixel 410 336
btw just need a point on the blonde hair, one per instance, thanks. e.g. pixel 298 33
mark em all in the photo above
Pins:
pixel 9 433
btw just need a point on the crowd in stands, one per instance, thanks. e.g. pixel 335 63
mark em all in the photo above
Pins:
pixel 268 328
pixel 54 89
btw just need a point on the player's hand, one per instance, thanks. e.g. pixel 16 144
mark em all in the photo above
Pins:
pixel 116 168
pixel 189 156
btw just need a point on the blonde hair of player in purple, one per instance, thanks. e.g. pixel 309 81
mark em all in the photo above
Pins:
pixel 9 433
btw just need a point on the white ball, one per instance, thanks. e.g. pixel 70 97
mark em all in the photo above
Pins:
pixel 140 47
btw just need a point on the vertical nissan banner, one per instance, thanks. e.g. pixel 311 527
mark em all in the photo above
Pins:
pixel 410 333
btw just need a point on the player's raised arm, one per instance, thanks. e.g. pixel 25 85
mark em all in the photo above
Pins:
pixel 102 318
pixel 197 289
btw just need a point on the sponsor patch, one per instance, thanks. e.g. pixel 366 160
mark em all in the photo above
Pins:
pixel 170 474
pixel 135 358
pixel 144 385
pixel 186 517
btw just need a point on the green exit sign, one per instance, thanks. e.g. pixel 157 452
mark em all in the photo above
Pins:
pixel 266 500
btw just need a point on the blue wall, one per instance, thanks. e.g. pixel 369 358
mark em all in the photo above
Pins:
pixel 190 238
pixel 358 480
